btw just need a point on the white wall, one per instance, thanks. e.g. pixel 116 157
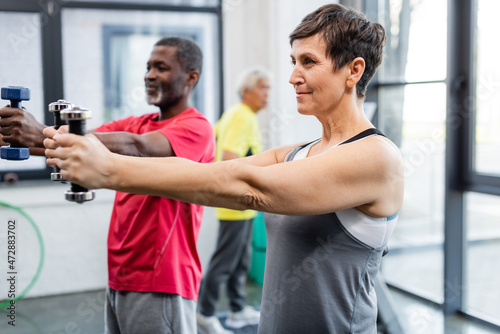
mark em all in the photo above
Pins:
pixel 256 33
pixel 71 254
pixel 73 238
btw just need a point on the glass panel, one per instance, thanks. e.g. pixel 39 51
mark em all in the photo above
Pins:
pixel 21 65
pixel 416 40
pixel 487 145
pixel 483 247
pixel 415 259
pixel 105 54
pixel 189 3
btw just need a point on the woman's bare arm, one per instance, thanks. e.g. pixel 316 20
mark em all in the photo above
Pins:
pixel 366 174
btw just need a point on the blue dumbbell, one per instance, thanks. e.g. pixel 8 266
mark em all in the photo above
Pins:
pixel 15 95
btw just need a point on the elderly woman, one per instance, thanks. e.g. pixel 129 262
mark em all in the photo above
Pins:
pixel 332 203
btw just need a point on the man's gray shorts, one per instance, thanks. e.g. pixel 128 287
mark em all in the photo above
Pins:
pixel 128 312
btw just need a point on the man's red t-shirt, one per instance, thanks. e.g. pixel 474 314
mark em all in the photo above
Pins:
pixel 152 240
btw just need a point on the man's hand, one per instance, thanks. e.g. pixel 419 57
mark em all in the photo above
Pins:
pixel 20 128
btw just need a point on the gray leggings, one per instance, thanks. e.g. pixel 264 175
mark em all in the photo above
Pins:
pixel 128 312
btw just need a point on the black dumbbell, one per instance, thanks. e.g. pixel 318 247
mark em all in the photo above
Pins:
pixel 55 108
pixel 15 95
pixel 76 118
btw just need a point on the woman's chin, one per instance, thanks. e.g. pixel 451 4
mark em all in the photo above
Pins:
pixel 303 111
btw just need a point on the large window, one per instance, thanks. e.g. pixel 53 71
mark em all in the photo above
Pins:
pixel 482 293
pixel 412 112
pixel 21 65
pixel 193 3
pixel 415 260
pixel 487 137
pixel 437 97
pixel 105 54
pixel 481 289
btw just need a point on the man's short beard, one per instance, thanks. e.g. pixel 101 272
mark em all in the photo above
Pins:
pixel 155 100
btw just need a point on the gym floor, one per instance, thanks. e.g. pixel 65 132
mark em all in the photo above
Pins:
pixel 83 313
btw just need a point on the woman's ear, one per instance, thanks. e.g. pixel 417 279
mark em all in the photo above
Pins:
pixel 356 70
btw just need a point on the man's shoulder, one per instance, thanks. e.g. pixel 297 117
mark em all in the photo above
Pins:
pixel 191 112
pixel 189 115
pixel 149 115
pixel 239 113
pixel 241 108
pixel 124 123
pixel 134 119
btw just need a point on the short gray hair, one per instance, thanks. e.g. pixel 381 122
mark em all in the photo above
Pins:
pixel 188 53
pixel 250 78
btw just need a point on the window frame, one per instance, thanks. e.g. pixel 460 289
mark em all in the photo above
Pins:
pixel 460 176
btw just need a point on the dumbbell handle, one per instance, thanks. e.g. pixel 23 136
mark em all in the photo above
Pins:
pixel 77 188
pixel 78 193
pixel 55 108
pixel 56 175
pixel 15 103
pixel 76 117
pixel 77 127
pixel 58 122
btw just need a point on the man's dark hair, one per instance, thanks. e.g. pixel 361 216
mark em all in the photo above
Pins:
pixel 188 52
pixel 348 34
